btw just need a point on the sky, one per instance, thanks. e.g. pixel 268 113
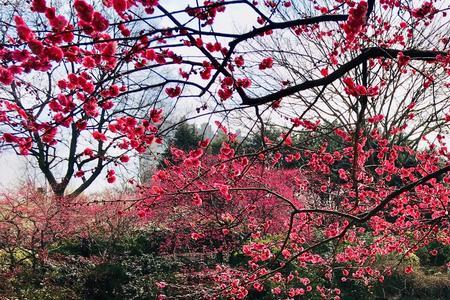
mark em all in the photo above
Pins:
pixel 12 170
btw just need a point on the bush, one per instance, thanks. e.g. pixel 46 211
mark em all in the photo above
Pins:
pixel 416 285
pixel 105 282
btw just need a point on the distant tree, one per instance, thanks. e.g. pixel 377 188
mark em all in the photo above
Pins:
pixel 186 137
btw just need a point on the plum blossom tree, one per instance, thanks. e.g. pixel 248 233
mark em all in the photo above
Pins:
pixel 299 229
pixel 31 221
pixel 242 203
pixel 65 111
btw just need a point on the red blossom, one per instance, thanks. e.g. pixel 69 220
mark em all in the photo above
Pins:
pixel 266 63
pixel 6 76
pixel 99 22
pixel 111 179
pixel 225 93
pixel 124 158
pixel 356 20
pixel 9 138
pixel 427 10
pixel 402 60
pixel 54 53
pixel 124 30
pixel 84 10
pixel 88 152
pixel 36 47
pixel 375 119
pixel 239 61
pixel 120 5
pixel 244 83
pixel 101 137
pixel 197 200
pixel 89 62
pixel 24 33
pixel 38 6
pixel 173 92
pixel 156 115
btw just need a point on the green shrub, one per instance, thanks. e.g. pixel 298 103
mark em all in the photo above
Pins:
pixel 105 281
